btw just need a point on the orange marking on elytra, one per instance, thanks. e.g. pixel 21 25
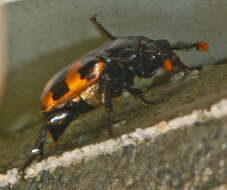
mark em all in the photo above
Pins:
pixel 47 100
pixel 75 83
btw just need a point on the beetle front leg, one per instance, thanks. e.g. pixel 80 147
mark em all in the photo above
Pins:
pixel 37 150
pixel 138 94
pixel 180 64
pixel 108 104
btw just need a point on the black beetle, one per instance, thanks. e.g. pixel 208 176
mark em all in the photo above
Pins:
pixel 101 75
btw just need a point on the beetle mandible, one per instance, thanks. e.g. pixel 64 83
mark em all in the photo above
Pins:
pixel 101 75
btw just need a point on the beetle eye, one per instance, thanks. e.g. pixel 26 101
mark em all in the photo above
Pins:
pixel 167 65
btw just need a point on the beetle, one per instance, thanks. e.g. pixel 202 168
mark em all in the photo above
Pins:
pixel 101 75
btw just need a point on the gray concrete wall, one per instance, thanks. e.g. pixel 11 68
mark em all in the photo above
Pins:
pixel 45 35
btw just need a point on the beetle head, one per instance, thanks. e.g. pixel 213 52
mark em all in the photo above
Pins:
pixel 159 54
pixel 155 54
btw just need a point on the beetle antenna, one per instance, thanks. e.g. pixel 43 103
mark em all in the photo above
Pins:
pixel 199 46
pixel 101 28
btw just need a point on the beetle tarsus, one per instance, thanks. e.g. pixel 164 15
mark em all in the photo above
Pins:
pixel 28 163
pixel 138 94
pixel 37 150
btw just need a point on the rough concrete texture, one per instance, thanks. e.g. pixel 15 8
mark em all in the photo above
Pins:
pixel 45 35
pixel 186 150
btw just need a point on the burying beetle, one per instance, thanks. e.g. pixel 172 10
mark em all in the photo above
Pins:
pixel 101 75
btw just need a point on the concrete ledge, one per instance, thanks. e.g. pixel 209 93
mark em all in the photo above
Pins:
pixel 179 144
pixel 187 152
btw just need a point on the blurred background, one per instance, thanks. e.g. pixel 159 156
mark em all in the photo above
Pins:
pixel 42 36
pixel 3 49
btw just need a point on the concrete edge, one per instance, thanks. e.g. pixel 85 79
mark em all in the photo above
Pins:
pixel 87 153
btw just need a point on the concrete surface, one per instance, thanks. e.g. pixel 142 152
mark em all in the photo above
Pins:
pixel 178 144
pixel 45 35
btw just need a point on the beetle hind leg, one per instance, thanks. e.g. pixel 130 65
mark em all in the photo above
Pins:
pixel 37 150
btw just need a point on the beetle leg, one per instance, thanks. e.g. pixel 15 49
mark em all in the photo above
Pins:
pixel 138 94
pixel 37 150
pixel 180 64
pixel 107 98
pixel 199 46
pixel 108 104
